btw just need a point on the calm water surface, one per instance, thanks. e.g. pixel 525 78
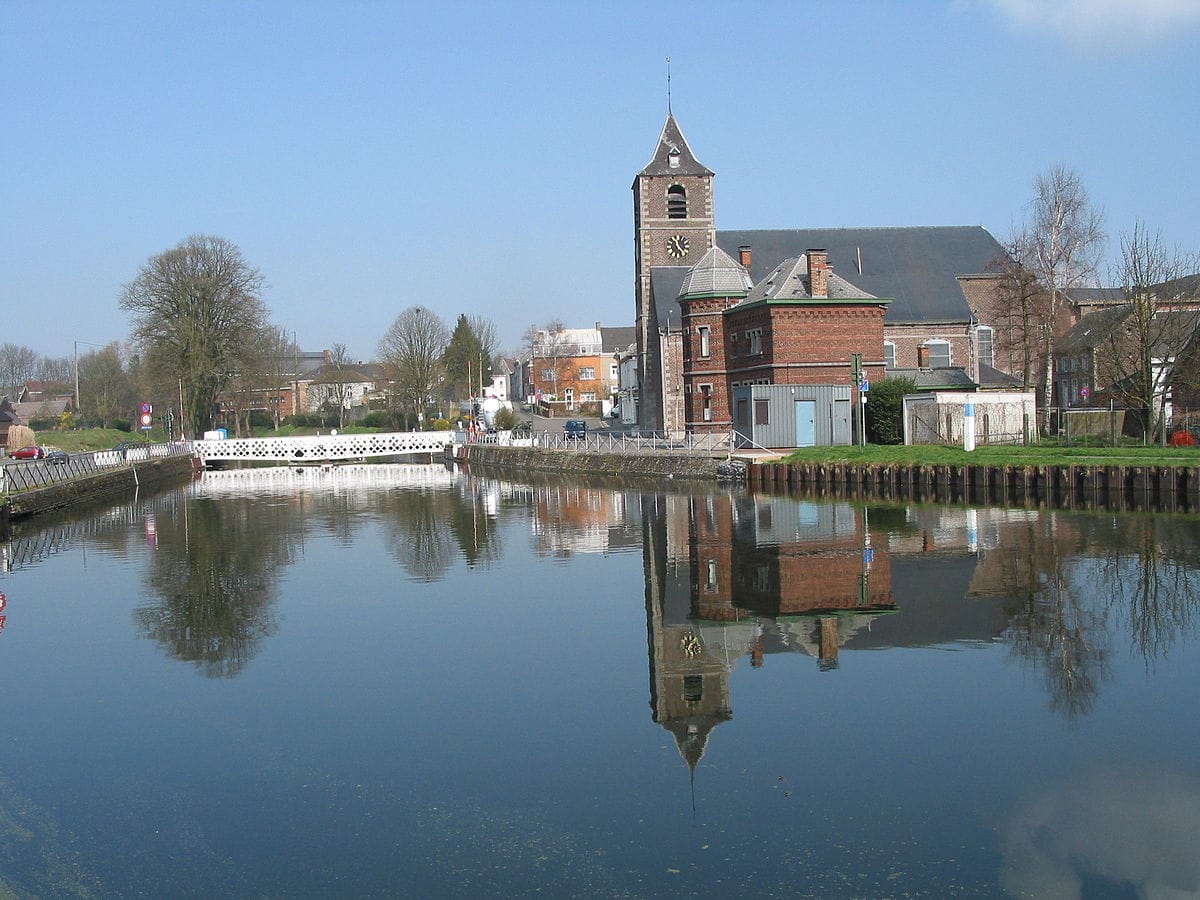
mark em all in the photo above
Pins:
pixel 404 681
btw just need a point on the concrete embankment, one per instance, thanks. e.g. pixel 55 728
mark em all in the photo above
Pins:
pixel 635 465
pixel 95 487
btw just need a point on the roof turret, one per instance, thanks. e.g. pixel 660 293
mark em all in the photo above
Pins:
pixel 715 274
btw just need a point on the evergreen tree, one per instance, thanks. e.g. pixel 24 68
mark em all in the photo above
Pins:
pixel 464 357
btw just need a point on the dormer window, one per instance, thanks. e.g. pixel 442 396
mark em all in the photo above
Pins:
pixel 673 159
pixel 676 202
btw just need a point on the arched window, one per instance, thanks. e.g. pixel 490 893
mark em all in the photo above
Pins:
pixel 676 202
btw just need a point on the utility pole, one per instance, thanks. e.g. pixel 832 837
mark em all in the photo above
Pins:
pixel 860 414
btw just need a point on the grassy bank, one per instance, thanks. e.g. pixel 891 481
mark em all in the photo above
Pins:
pixel 875 454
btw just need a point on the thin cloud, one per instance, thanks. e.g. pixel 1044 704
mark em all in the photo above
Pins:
pixel 1107 22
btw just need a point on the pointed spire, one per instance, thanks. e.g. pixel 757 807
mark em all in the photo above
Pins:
pixel 673 156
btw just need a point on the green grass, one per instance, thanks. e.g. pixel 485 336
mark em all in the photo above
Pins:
pixel 95 438
pixel 1036 455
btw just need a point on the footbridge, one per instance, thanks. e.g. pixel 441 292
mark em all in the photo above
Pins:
pixel 322 448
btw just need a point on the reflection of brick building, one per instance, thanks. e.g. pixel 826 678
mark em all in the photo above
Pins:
pixel 784 557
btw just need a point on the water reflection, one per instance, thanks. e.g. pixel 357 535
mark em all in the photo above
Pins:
pixel 212 581
pixel 1104 832
pixel 728 574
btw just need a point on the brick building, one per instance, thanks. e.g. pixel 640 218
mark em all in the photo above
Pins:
pixel 803 324
pixel 939 281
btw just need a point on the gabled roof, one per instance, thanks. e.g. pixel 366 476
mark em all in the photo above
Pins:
pixel 359 373
pixel 672 142
pixel 715 274
pixel 790 281
pixel 1093 329
pixel 918 267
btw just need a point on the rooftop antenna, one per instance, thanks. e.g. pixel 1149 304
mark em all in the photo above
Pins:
pixel 668 85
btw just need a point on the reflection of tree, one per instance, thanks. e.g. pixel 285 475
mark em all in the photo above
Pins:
pixel 418 535
pixel 213 577
pixel 1148 575
pixel 473 528
pixel 1052 626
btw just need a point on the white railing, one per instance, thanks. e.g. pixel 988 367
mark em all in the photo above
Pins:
pixel 319 448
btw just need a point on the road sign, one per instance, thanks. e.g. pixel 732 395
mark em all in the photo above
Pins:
pixel 1084 392
pixel 146 420
pixel 865 386
pixel 147 408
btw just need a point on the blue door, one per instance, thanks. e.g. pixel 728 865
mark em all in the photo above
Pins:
pixel 806 423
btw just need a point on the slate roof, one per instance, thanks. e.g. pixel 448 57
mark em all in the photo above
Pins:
pixel 360 373
pixel 1093 329
pixel 613 340
pixel 672 139
pixel 941 379
pixel 790 281
pixel 666 282
pixel 915 266
pixel 715 274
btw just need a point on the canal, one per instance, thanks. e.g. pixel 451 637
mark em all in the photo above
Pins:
pixel 397 680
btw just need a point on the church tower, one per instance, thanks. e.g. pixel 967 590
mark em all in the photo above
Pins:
pixel 674 225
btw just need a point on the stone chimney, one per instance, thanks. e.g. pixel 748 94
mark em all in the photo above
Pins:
pixel 818 272
pixel 744 257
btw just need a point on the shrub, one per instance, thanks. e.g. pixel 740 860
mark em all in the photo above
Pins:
pixel 506 419
pixel 380 419
pixel 885 410
pixel 260 419
pixel 43 424
pixel 1183 439
pixel 122 425
pixel 440 425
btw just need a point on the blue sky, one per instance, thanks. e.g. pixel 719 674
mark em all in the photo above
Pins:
pixel 478 157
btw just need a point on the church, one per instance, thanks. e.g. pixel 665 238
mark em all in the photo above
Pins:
pixel 734 326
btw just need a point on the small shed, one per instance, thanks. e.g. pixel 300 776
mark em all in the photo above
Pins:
pixel 778 416
pixel 1001 417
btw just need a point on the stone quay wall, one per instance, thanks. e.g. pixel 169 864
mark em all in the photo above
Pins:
pixel 94 487
pixel 662 465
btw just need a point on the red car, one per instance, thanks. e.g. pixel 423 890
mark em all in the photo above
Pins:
pixel 30 452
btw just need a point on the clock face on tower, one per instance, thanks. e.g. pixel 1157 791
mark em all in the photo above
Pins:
pixel 678 246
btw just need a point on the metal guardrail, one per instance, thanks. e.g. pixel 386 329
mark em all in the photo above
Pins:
pixel 611 442
pixel 27 474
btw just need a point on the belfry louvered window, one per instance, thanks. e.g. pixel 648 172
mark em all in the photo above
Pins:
pixel 676 202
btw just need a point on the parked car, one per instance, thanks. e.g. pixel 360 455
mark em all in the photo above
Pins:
pixel 575 428
pixel 57 457
pixel 30 452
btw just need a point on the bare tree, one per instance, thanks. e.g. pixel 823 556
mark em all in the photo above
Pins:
pixel 1063 241
pixel 1137 361
pixel 340 386
pixel 276 368
pixel 552 354
pixel 489 343
pixel 105 386
pixel 55 368
pixel 411 350
pixel 1020 310
pixel 18 365
pixel 196 312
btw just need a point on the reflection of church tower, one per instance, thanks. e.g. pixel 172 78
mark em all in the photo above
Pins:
pixel 689 686
pixel 674 225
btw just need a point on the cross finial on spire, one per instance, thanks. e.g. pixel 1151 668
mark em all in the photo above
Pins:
pixel 668 85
